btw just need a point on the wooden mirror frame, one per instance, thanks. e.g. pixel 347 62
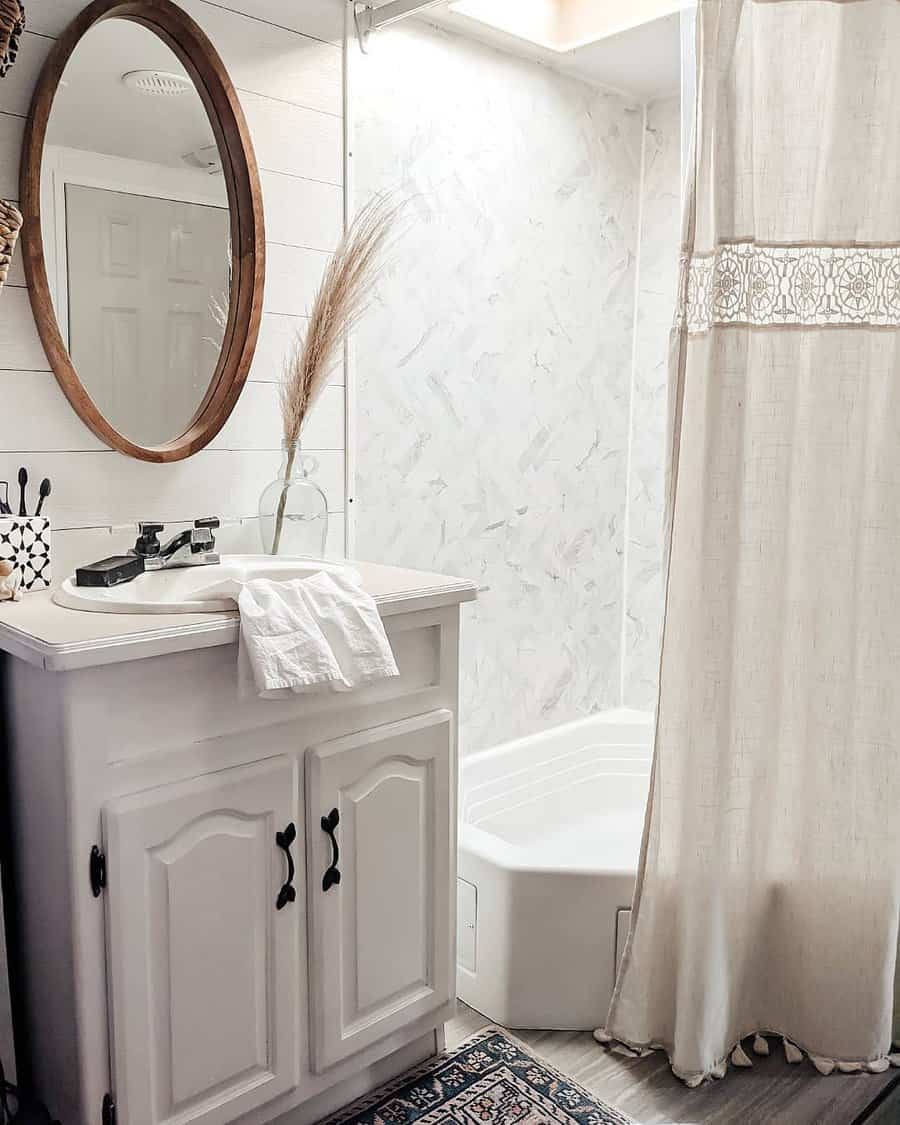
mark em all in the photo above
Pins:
pixel 201 61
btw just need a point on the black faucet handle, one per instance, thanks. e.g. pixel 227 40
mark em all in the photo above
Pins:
pixel 147 544
pixel 211 522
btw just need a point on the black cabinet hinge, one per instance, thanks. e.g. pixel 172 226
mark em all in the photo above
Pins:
pixel 109 1110
pixel 98 871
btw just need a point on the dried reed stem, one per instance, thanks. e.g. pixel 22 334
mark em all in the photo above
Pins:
pixel 339 304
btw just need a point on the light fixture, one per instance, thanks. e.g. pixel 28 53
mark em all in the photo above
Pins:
pixel 157 83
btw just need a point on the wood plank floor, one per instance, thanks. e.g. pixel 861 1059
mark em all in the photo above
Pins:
pixel 772 1093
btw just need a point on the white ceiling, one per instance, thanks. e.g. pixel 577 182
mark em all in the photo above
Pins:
pixel 96 111
pixel 643 61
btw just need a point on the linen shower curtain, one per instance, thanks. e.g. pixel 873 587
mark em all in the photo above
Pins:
pixel 768 895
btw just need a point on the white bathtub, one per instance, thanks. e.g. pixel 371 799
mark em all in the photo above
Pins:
pixel 550 830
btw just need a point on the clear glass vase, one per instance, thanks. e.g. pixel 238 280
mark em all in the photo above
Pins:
pixel 293 510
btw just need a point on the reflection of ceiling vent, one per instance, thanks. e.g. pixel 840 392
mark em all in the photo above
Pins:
pixel 157 83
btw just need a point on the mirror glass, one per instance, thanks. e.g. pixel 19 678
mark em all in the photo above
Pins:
pixel 136 231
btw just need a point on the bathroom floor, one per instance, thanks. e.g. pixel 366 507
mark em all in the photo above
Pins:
pixel 772 1093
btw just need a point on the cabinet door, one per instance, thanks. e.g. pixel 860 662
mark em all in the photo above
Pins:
pixel 381 945
pixel 202 964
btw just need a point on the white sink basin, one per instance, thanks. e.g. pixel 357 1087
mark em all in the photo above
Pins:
pixel 192 589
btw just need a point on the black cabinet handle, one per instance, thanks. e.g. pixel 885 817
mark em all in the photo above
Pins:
pixel 284 840
pixel 332 876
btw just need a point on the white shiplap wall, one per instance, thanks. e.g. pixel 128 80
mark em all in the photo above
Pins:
pixel 285 58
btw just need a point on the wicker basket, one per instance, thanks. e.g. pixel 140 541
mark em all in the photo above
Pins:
pixel 12 24
pixel 10 225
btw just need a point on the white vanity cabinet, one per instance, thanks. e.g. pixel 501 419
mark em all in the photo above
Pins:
pixel 234 910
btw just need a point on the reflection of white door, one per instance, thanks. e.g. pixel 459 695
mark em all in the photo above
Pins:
pixel 145 276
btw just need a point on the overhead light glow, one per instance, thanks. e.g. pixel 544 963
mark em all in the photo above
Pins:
pixel 565 25
pixel 534 20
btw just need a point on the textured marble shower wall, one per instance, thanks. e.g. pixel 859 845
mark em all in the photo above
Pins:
pixel 657 283
pixel 493 373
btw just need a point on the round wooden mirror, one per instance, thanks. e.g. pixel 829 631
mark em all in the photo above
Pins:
pixel 143 240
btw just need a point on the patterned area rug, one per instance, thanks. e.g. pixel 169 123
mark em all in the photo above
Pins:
pixel 490 1080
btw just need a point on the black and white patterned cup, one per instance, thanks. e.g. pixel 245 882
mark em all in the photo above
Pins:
pixel 25 542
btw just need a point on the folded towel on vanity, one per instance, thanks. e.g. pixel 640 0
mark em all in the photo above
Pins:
pixel 310 633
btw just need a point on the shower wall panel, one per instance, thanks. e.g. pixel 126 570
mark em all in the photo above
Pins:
pixel 493 372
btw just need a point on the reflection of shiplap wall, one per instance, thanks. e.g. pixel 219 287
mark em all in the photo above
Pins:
pixel 286 61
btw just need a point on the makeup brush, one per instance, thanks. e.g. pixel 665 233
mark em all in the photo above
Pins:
pixel 5 509
pixel 44 493
pixel 23 481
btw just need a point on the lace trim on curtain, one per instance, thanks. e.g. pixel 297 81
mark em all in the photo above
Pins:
pixel 748 284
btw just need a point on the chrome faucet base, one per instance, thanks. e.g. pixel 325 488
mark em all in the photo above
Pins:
pixel 207 558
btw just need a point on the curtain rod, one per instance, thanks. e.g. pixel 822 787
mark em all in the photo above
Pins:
pixel 368 18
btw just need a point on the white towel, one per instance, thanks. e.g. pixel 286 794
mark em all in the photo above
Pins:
pixel 310 633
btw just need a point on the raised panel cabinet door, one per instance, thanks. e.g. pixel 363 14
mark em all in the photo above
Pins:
pixel 202 960
pixel 380 860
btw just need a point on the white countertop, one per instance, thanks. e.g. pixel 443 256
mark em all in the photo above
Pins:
pixel 57 639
